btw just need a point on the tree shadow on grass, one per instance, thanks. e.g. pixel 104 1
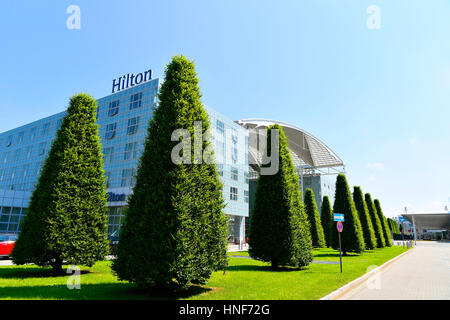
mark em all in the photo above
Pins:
pixel 263 268
pixel 193 290
pixel 24 272
pixel 101 291
pixel 336 255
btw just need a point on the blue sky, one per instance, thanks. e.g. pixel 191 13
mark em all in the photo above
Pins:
pixel 378 98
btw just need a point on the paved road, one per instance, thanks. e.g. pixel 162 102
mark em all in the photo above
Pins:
pixel 422 274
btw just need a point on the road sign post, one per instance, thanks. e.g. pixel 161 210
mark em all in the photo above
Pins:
pixel 339 217
pixel 340 227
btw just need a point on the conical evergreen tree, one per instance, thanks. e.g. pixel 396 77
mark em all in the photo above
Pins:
pixel 316 229
pixel 279 229
pixel 327 220
pixel 67 215
pixel 393 227
pixel 352 236
pixel 377 226
pixel 175 230
pixel 363 212
pixel 384 224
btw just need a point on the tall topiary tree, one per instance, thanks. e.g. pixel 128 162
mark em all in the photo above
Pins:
pixel 393 227
pixel 279 229
pixel 175 230
pixel 352 236
pixel 316 229
pixel 369 234
pixel 327 220
pixel 67 215
pixel 396 227
pixel 384 224
pixel 377 226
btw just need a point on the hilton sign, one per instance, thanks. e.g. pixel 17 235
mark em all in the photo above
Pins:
pixel 113 197
pixel 130 80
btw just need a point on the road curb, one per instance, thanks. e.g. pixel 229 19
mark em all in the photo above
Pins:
pixel 343 290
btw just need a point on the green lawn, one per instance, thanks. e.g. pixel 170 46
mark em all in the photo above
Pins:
pixel 244 279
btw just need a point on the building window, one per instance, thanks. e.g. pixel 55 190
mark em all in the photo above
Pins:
pixel 37 168
pixel 26 169
pixel 135 100
pixel 246 177
pixel 41 148
pixel 246 196
pixel 234 155
pixel 220 168
pixel 128 178
pixel 13 173
pixel 234 135
pixel 5 157
pixel 108 154
pixel 220 147
pixel 133 124
pixel 107 179
pixel 28 152
pixel 246 150
pixel 20 137
pixel 233 193
pixel 234 174
pixel 9 141
pixel 32 133
pixel 4 218
pixel 45 129
pixel 17 155
pixel 110 131
pixel 130 151
pixel 115 219
pixel 220 127
pixel 113 108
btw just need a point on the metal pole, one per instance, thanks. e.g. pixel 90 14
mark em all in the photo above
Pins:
pixel 414 229
pixel 340 251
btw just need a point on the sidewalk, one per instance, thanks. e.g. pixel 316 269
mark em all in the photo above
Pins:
pixel 423 274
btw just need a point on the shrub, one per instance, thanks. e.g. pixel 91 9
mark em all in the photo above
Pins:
pixel 393 226
pixel 327 220
pixel 175 229
pixel 352 236
pixel 279 230
pixel 67 215
pixel 384 225
pixel 366 223
pixel 316 229
pixel 377 227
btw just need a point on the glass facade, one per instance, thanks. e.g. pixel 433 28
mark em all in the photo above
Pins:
pixel 123 118
pixel 231 145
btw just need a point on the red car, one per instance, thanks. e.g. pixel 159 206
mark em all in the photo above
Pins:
pixel 7 244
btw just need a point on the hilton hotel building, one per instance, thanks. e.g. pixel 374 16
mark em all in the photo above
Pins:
pixel 123 117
